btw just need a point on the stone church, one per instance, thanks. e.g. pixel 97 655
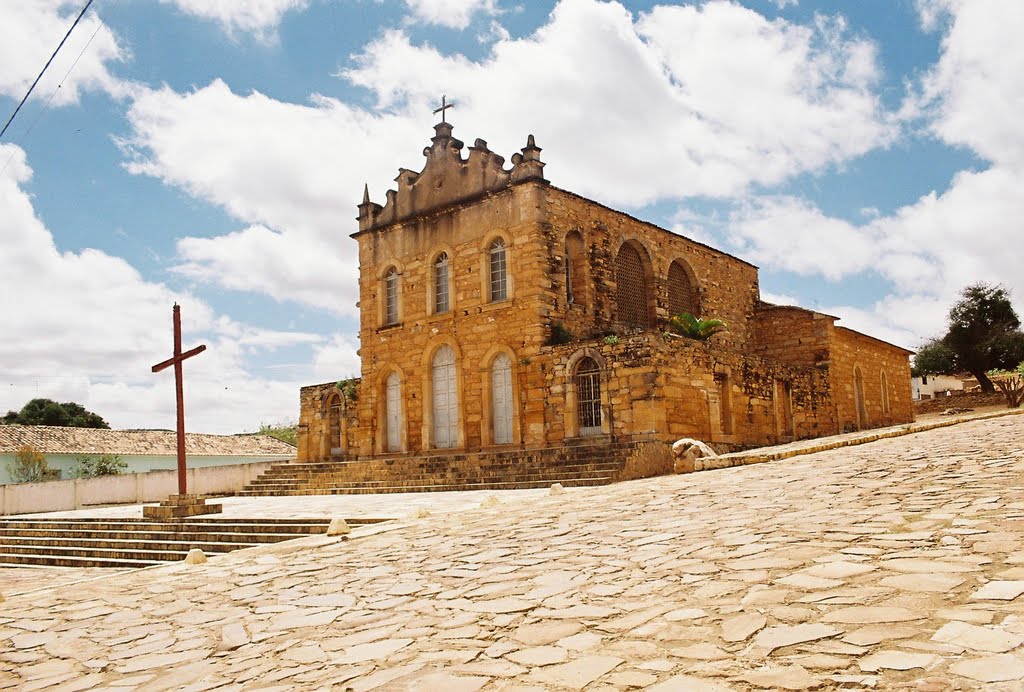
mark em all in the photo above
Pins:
pixel 500 312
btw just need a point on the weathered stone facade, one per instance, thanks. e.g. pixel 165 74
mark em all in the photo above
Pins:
pixel 498 311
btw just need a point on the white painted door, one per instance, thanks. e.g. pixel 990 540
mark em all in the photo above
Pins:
pixel 501 399
pixel 394 422
pixel 446 404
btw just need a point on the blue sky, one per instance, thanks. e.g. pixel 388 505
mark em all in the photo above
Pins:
pixel 868 156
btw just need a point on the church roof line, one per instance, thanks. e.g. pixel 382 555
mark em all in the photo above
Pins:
pixel 448 178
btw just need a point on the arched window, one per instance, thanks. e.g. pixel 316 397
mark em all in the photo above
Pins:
pixel 441 303
pixel 682 292
pixel 588 397
pixel 498 271
pixel 574 289
pixel 885 393
pixel 391 297
pixel 631 288
pixel 445 404
pixel 393 419
pixel 501 399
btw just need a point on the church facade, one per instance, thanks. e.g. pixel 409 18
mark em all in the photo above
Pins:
pixel 498 311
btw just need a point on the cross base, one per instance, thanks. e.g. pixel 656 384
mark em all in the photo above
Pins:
pixel 180 506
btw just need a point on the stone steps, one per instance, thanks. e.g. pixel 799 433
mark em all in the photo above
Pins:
pixel 134 542
pixel 372 488
pixel 596 464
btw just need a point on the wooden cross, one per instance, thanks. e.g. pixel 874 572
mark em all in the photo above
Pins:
pixel 176 361
pixel 444 106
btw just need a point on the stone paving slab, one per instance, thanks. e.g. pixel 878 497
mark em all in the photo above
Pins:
pixel 662 583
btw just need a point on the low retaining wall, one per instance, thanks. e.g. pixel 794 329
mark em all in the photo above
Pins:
pixel 129 488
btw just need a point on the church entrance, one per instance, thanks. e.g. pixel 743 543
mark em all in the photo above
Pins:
pixel 501 399
pixel 446 400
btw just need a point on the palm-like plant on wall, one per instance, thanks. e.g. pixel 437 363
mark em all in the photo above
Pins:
pixel 693 327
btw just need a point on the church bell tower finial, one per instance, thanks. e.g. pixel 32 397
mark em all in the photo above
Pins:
pixel 444 106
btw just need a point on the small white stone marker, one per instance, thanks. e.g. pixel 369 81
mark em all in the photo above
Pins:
pixel 338 527
pixel 999 591
pixel 556 489
pixel 233 636
pixel 196 556
pixel 490 501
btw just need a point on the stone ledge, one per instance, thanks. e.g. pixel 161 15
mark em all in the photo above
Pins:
pixel 824 444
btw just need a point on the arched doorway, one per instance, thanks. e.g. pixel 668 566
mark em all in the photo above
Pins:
pixel 631 289
pixel 445 404
pixel 393 419
pixel 332 439
pixel 858 395
pixel 588 397
pixel 501 399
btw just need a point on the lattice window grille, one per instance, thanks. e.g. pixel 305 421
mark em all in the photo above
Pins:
pixel 681 296
pixel 631 288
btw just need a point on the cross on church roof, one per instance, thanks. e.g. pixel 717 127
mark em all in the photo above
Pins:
pixel 444 106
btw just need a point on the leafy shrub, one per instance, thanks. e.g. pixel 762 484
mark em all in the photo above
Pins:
pixel 693 327
pixel 282 431
pixel 559 335
pixel 611 339
pixel 1010 383
pixel 87 466
pixel 349 389
pixel 29 466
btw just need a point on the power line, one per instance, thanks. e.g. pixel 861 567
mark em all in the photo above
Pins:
pixel 40 76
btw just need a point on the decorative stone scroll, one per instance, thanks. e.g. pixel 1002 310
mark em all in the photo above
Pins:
pixel 448 178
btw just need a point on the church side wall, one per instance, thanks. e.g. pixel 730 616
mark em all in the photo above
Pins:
pixel 667 388
pixel 728 287
pixel 852 351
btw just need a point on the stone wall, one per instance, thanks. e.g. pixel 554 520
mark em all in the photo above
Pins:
pixel 728 287
pixel 851 351
pixel 792 335
pixel 666 387
pixel 329 422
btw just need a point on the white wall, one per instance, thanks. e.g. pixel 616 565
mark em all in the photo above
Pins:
pixel 935 386
pixel 129 488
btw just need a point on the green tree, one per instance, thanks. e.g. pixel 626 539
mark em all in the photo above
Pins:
pixel 983 334
pixel 286 432
pixel 87 466
pixel 49 412
pixel 29 466
pixel 693 327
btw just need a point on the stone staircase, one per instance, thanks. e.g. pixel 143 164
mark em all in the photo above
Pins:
pixel 108 542
pixel 588 464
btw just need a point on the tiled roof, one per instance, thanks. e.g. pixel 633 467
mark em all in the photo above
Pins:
pixel 51 439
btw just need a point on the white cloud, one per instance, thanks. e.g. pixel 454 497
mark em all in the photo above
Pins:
pixel 786 99
pixel 455 14
pixel 790 234
pixel 87 327
pixel 975 94
pixel 294 173
pixel 684 101
pixel 259 17
pixel 337 358
pixel 29 33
